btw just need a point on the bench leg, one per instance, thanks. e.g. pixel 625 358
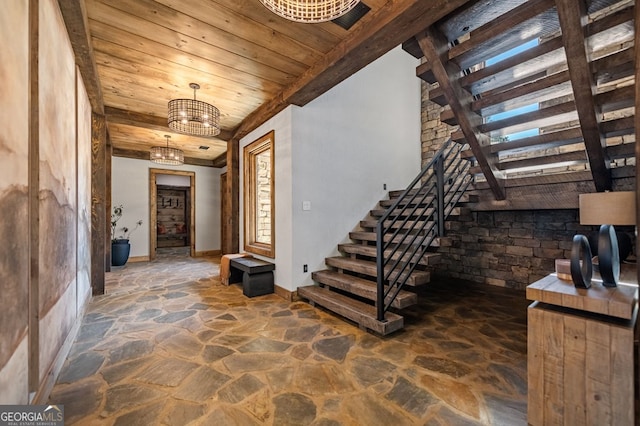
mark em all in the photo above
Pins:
pixel 236 275
pixel 257 284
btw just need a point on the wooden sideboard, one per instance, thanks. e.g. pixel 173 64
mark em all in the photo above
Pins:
pixel 581 353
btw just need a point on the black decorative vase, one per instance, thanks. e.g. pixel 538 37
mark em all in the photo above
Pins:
pixel 120 252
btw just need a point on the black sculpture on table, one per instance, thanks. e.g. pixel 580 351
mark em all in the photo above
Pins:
pixel 608 259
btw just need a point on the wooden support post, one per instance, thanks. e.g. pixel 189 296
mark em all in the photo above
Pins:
pixel 108 157
pixel 231 213
pixel 99 201
pixel 636 119
pixel 435 49
pixel 34 199
pixel 573 20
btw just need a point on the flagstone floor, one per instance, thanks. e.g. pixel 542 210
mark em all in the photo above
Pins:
pixel 169 345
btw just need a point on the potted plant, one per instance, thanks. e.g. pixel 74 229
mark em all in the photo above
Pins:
pixel 120 246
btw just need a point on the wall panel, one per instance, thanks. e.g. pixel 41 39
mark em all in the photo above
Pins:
pixel 57 191
pixel 14 227
pixel 84 193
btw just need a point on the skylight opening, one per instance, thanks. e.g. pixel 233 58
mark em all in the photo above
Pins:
pixel 516 111
pixel 511 52
pixel 512 112
pixel 523 134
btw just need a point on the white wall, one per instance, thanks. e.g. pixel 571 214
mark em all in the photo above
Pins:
pixel 337 152
pixel 282 177
pixel 173 180
pixel 130 187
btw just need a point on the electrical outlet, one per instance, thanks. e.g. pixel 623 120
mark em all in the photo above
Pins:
pixel 305 268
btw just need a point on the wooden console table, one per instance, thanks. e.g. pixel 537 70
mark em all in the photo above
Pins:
pixel 581 353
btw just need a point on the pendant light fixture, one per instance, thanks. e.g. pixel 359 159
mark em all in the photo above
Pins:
pixel 193 117
pixel 166 155
pixel 310 11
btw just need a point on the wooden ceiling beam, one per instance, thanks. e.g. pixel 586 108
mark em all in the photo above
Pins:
pixel 532 88
pixel 392 24
pixel 544 160
pixel 220 161
pixel 573 18
pixel 524 56
pixel 75 19
pixel 435 48
pixel 151 122
pixel 529 117
pixel 501 25
pixel 613 100
pixel 618 127
pixel 144 155
pixel 536 88
pixel 545 140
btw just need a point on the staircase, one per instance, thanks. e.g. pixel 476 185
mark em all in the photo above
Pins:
pixel 394 248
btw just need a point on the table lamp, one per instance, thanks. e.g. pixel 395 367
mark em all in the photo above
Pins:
pixel 605 209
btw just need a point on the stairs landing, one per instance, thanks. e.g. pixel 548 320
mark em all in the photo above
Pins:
pixel 359 312
pixel 361 287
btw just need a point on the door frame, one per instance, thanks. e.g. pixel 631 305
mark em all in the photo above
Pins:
pixel 153 211
pixel 223 219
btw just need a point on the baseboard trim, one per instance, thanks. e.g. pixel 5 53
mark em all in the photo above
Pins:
pixel 208 253
pixel 289 296
pixel 135 259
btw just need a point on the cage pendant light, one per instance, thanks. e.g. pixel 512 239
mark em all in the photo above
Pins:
pixel 193 117
pixel 166 155
pixel 310 11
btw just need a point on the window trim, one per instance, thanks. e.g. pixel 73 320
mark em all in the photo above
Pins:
pixel 250 152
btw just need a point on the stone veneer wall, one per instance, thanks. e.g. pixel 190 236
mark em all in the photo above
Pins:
pixel 510 248
pixel 434 132
pixel 263 232
pixel 502 248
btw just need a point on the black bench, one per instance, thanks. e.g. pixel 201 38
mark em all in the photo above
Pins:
pixel 257 275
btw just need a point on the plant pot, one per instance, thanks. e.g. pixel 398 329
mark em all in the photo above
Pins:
pixel 120 252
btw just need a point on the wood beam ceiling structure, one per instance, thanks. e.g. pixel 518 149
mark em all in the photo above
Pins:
pixel 254 65
pixel 579 75
pixel 251 64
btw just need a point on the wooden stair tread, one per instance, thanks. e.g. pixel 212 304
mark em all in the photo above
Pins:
pixel 359 312
pixel 372 223
pixel 423 203
pixel 365 267
pixel 361 287
pixel 379 212
pixel 368 250
pixel 399 213
pixel 371 236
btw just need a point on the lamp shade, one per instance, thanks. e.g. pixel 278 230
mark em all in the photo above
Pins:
pixel 166 155
pixel 611 208
pixel 193 117
pixel 310 11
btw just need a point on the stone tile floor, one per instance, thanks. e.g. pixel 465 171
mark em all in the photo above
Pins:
pixel 170 345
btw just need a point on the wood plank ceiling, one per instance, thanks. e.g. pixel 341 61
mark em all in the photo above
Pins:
pixel 249 62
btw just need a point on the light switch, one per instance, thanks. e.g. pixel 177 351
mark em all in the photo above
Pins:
pixel 306 205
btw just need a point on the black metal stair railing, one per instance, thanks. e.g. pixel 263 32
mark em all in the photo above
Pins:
pixel 406 230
